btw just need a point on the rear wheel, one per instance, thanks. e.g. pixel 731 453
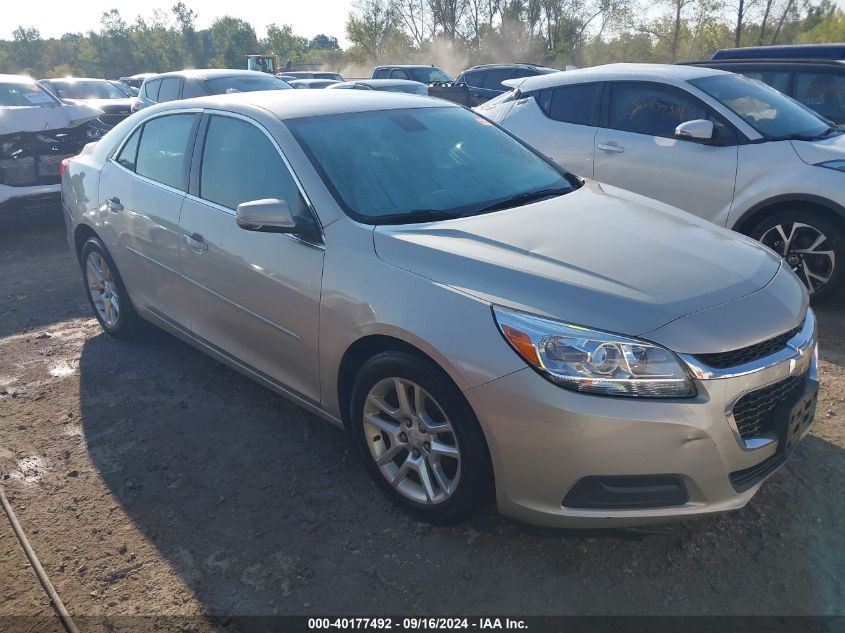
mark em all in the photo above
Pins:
pixel 419 438
pixel 106 292
pixel 811 244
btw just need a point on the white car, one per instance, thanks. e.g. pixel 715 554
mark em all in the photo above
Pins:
pixel 716 144
pixel 37 132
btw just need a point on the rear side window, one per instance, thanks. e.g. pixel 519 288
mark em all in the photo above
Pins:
pixel 398 73
pixel 163 148
pixel 653 109
pixel 779 80
pixel 193 88
pixel 494 78
pixel 239 164
pixel 824 93
pixel 151 89
pixel 169 90
pixel 577 104
pixel 129 153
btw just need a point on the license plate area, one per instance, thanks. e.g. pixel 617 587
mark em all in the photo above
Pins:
pixel 795 416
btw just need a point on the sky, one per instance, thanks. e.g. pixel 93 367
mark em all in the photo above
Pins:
pixel 55 17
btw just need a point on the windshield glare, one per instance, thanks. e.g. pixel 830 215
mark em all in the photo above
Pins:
pixel 439 159
pixel 88 90
pixel 771 113
pixel 242 83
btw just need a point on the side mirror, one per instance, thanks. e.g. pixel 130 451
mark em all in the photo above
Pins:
pixel 269 215
pixel 697 129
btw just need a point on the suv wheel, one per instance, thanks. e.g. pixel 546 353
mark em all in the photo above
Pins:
pixel 812 245
pixel 419 438
pixel 106 292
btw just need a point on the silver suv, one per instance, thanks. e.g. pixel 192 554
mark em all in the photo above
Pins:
pixel 480 320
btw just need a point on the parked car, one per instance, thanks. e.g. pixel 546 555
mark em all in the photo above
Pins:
pixel 313 84
pixel 481 321
pixel 423 74
pixel 726 148
pixel 115 102
pixel 37 131
pixel 485 81
pixel 794 51
pixel 129 90
pixel 187 84
pixel 136 81
pixel 818 83
pixel 386 85
pixel 309 74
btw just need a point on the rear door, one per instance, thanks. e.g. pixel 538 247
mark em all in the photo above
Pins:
pixel 255 296
pixel 561 123
pixel 636 149
pixel 142 188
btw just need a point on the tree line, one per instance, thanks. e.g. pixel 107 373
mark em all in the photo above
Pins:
pixel 450 33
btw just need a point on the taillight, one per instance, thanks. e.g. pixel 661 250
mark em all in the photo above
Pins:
pixel 63 167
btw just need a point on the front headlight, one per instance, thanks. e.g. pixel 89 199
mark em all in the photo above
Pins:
pixel 838 165
pixel 591 361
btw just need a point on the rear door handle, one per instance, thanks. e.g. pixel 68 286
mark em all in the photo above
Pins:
pixel 114 204
pixel 611 147
pixel 197 242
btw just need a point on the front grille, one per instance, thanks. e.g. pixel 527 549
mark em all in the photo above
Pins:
pixel 748 354
pixel 753 411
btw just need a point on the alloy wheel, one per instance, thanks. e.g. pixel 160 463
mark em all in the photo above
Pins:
pixel 412 441
pixel 102 288
pixel 806 249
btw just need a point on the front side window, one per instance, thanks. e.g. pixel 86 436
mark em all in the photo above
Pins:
pixel 163 148
pixel 169 90
pixel 406 165
pixel 245 83
pixel 578 104
pixel 192 88
pixel 824 93
pixel 771 113
pixel 240 164
pixel 494 78
pixel 474 79
pixel 779 80
pixel 398 73
pixel 652 109
pixel 429 75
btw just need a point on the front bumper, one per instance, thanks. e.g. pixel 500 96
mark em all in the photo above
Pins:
pixel 543 439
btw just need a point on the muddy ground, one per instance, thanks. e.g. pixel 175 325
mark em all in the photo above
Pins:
pixel 152 480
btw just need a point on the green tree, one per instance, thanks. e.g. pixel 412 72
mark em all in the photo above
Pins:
pixel 233 39
pixel 27 50
pixel 323 43
pixel 375 29
pixel 281 41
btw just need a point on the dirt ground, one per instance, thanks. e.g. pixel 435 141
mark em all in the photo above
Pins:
pixel 152 480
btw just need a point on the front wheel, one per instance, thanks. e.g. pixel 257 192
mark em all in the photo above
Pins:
pixel 419 438
pixel 812 245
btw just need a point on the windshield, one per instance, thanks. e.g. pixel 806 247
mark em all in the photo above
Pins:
pixel 428 75
pixel 88 90
pixel 245 83
pixel 25 95
pixel 772 114
pixel 412 165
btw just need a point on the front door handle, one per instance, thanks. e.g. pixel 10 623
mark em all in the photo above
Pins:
pixel 197 242
pixel 611 147
pixel 114 205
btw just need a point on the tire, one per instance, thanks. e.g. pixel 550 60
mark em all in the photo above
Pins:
pixel 802 227
pixel 468 478
pixel 112 306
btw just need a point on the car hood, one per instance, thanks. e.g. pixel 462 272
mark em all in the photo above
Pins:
pixel 15 119
pixel 813 152
pixel 106 105
pixel 600 257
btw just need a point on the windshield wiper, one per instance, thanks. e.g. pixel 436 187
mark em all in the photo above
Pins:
pixel 419 215
pixel 811 137
pixel 525 198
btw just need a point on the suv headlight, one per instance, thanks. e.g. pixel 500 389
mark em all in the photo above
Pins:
pixel 592 361
pixel 838 165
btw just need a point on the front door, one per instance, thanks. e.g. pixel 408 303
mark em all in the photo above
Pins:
pixel 254 296
pixel 636 149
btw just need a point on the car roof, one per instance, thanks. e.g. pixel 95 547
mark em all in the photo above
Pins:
pixel 511 65
pixel 294 104
pixel 16 79
pixel 208 73
pixel 768 61
pixel 70 79
pixel 406 66
pixel 787 51
pixel 308 81
pixel 385 82
pixel 614 72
